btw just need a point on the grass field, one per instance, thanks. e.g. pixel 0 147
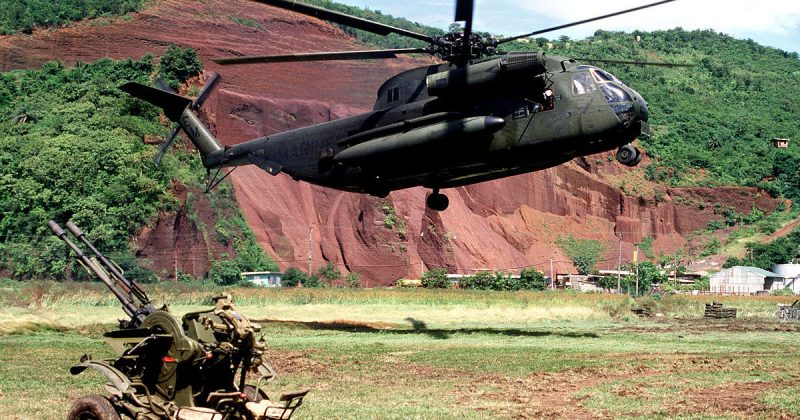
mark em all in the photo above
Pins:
pixel 446 354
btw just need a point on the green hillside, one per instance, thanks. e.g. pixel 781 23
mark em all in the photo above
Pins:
pixel 71 148
pixel 25 15
pixel 712 123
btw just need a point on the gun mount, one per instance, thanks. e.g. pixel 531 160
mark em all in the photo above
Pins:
pixel 195 368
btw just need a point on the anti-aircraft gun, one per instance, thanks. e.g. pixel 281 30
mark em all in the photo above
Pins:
pixel 195 368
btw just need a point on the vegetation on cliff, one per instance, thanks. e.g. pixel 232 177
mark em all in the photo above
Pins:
pixel 25 15
pixel 712 123
pixel 71 147
pixel 780 251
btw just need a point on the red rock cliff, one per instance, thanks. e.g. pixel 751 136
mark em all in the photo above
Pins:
pixel 506 224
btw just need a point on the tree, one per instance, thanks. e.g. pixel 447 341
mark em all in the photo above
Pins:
pixel 532 279
pixel 312 281
pixel 435 279
pixel 329 273
pixel 178 65
pixel 353 279
pixel 584 253
pixel 649 275
pixel 225 272
pixel 293 277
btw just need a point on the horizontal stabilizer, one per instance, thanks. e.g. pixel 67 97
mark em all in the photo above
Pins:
pixel 172 104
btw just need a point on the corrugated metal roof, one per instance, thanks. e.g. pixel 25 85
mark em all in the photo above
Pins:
pixel 759 271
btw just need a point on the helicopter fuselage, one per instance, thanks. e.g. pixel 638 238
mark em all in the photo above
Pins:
pixel 443 126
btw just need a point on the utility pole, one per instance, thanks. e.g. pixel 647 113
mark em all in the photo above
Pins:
pixel 310 229
pixel 636 262
pixel 619 263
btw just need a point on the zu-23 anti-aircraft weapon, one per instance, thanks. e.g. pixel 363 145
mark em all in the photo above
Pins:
pixel 195 368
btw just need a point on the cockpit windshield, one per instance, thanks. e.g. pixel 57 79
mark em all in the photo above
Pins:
pixel 614 93
pixel 582 83
pixel 600 75
pixel 603 76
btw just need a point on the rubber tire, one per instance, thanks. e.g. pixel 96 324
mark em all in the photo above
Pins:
pixel 437 202
pixel 628 155
pixel 92 407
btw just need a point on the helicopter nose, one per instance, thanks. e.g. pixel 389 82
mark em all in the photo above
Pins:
pixel 640 106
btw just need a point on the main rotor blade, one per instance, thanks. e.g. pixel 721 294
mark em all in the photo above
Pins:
pixel 464 12
pixel 320 56
pixel 580 22
pixel 344 19
pixel 638 63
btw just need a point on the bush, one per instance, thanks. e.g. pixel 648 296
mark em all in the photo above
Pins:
pixel 225 272
pixel 312 281
pixel 329 273
pixel 177 65
pixel 584 253
pixel 786 291
pixel 435 279
pixel 353 279
pixel 531 279
pixel 293 277
pixel 478 281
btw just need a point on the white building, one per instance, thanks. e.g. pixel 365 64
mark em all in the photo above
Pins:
pixel 742 280
pixel 790 274
pixel 264 278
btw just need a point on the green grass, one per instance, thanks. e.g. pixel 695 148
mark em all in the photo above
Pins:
pixel 450 354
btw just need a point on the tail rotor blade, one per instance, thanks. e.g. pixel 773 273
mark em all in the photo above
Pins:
pixel 201 97
pixel 167 144
pixel 163 85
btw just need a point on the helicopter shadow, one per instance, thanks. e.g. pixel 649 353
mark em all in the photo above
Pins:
pixel 419 327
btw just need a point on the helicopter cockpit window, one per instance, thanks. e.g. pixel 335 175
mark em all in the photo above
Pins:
pixel 602 76
pixel 582 83
pixel 614 93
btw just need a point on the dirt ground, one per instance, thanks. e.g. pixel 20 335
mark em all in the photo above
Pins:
pixel 563 394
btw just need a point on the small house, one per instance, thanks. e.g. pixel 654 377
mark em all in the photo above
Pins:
pixel 582 282
pixel 742 280
pixel 780 143
pixel 263 278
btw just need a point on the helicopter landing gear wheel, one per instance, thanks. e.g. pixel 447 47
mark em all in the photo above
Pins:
pixel 380 193
pixel 629 155
pixel 437 201
pixel 92 407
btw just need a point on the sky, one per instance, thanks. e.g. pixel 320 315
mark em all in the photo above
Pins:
pixel 775 23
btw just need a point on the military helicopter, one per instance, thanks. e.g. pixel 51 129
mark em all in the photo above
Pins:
pixel 476 117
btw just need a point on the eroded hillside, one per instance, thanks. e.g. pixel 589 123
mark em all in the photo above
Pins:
pixel 506 224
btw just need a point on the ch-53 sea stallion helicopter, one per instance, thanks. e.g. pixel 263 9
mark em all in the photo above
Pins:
pixel 479 116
